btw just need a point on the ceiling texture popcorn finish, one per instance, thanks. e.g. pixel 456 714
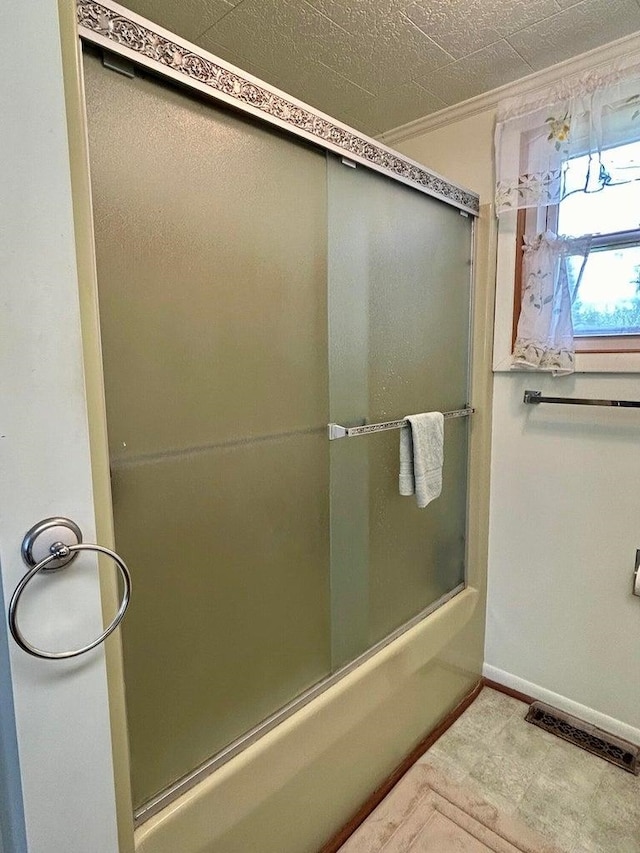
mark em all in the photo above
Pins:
pixel 378 64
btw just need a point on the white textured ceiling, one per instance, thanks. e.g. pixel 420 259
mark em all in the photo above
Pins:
pixel 377 64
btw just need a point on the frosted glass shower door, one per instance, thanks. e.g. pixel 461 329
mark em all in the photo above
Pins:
pixel 211 255
pixel 399 317
pixel 251 290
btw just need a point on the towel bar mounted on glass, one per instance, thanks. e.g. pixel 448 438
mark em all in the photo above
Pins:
pixel 337 431
pixel 536 397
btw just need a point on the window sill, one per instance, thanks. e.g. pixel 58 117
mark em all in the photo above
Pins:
pixel 586 362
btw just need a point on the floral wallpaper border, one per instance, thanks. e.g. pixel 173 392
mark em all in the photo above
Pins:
pixel 100 19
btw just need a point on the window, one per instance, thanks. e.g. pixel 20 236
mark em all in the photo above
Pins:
pixel 606 286
pixel 568 165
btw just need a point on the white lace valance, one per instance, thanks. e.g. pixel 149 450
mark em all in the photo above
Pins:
pixel 536 134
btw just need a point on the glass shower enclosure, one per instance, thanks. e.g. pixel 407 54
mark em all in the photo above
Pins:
pixel 254 288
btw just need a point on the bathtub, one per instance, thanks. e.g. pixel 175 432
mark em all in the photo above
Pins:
pixel 294 788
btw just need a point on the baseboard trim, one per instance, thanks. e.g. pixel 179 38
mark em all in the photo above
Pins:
pixel 500 679
pixel 508 691
pixel 382 790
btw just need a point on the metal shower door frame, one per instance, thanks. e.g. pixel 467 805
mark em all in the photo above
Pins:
pixel 138 40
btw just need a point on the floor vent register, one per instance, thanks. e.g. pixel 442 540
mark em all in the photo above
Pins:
pixel 620 752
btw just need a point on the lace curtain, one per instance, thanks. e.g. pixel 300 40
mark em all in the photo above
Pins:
pixel 584 116
pixel 545 329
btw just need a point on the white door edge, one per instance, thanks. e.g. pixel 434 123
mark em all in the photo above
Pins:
pixel 62 727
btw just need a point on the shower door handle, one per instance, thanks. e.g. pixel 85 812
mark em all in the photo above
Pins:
pixel 636 575
pixel 51 545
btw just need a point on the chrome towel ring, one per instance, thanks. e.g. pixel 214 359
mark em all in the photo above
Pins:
pixel 60 554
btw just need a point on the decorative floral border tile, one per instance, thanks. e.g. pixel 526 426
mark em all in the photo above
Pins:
pixel 102 20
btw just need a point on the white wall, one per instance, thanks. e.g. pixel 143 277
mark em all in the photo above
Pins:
pixel 461 151
pixel 564 529
pixel 562 624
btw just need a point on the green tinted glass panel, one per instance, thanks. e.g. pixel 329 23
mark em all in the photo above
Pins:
pixel 211 249
pixel 399 279
pixel 263 556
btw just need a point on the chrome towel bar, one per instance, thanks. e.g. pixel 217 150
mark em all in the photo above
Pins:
pixel 536 397
pixel 337 431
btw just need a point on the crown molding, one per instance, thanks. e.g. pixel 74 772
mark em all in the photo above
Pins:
pixel 614 51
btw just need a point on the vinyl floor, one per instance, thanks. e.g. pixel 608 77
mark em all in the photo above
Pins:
pixel 575 800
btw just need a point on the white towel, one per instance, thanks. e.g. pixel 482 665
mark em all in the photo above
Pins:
pixel 421 457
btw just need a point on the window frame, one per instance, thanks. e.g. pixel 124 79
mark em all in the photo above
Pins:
pixel 601 344
pixel 504 248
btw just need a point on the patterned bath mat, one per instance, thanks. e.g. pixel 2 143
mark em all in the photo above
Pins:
pixel 426 813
